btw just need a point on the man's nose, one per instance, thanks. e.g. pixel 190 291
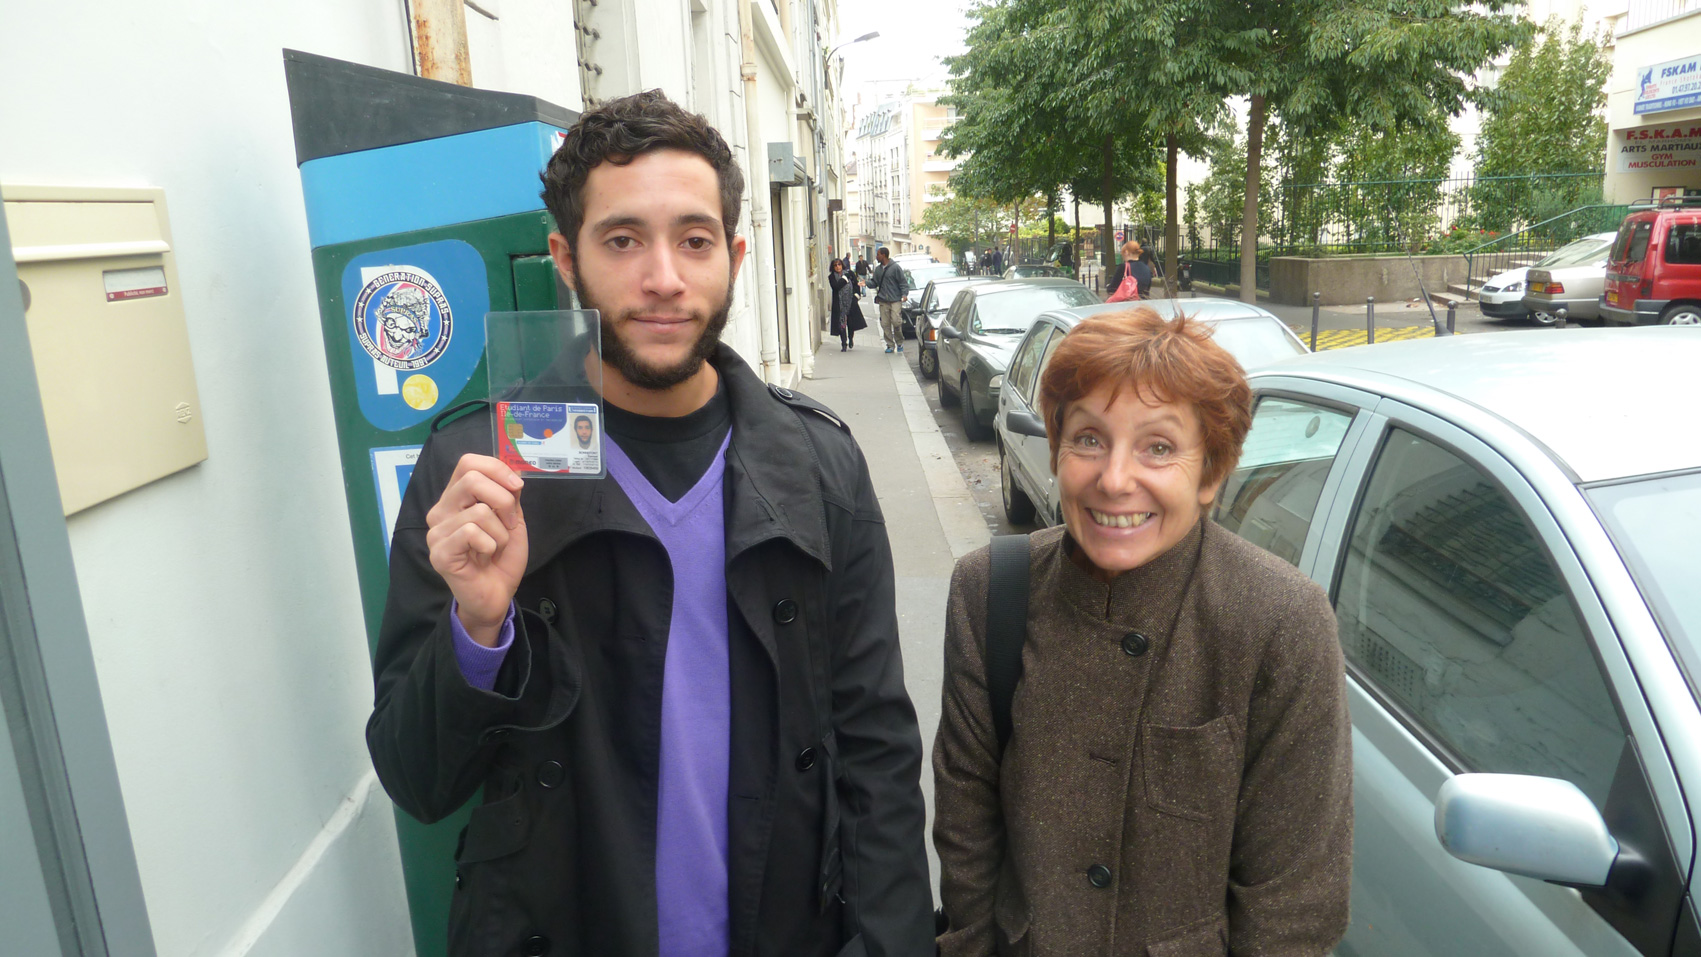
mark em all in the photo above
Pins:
pixel 662 276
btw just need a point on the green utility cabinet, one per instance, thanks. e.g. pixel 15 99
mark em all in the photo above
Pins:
pixel 423 214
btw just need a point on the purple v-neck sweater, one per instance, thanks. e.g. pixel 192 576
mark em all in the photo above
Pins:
pixel 696 719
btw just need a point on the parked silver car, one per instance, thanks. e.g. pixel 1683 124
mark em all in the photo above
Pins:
pixel 1573 281
pixel 982 327
pixel 1251 334
pixel 1509 527
pixel 1502 296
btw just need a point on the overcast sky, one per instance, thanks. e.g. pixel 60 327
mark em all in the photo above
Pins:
pixel 914 34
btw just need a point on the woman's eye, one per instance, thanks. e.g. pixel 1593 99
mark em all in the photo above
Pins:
pixel 1160 449
pixel 1087 440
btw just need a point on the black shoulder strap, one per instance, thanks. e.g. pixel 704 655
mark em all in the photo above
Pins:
pixel 1006 627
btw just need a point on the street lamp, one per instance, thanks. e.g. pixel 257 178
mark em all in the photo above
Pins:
pixel 866 36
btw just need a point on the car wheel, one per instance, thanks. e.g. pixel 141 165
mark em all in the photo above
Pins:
pixel 972 428
pixel 1682 315
pixel 929 360
pixel 1542 317
pixel 1018 508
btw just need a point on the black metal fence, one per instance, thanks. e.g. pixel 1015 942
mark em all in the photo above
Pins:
pixel 1525 246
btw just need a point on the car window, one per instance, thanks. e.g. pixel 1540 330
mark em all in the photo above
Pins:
pixel 959 306
pixel 1655 523
pixel 1045 360
pixel 1450 607
pixel 1270 498
pixel 1013 310
pixel 1256 342
pixel 1578 253
pixel 1633 244
pixel 1027 361
pixel 1683 244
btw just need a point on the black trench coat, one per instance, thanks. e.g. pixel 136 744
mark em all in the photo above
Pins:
pixel 825 808
pixel 845 304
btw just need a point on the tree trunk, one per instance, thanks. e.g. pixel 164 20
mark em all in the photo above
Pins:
pixel 1249 213
pixel 1050 221
pixel 1109 202
pixel 1172 222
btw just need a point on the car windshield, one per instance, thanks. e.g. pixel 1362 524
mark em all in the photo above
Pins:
pixel 921 275
pixel 1256 342
pixel 1577 253
pixel 1013 310
pixel 1655 523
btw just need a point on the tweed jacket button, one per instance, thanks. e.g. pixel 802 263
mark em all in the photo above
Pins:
pixel 550 774
pixel 535 946
pixel 1099 876
pixel 546 609
pixel 785 612
pixel 1135 644
pixel 805 759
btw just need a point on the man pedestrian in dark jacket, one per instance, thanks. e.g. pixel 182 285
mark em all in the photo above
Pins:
pixel 679 686
pixel 890 284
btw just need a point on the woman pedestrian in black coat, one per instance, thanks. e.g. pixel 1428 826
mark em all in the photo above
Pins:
pixel 847 313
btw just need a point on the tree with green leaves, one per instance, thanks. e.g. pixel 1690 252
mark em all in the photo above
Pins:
pixel 1544 116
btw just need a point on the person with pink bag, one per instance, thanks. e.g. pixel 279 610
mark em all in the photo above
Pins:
pixel 1133 279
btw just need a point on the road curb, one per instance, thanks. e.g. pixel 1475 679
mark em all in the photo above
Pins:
pixel 960 517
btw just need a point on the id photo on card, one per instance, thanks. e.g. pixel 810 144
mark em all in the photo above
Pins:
pixel 545 373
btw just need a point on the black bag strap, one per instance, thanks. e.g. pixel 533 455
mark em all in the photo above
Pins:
pixel 1006 627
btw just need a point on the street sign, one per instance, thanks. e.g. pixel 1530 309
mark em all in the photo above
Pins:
pixel 1119 237
pixel 1012 227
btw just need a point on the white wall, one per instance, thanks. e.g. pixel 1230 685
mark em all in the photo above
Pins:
pixel 1632 53
pixel 221 601
pixel 524 46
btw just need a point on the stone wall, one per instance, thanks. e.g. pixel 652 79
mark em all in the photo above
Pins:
pixel 1347 280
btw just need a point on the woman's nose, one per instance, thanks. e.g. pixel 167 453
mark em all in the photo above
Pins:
pixel 1120 473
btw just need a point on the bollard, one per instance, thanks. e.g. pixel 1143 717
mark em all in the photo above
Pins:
pixel 1369 320
pixel 1316 309
pixel 1452 310
pixel 1562 313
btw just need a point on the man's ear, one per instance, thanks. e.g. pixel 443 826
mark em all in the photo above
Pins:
pixel 562 253
pixel 737 250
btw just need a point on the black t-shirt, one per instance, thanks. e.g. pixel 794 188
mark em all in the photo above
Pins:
pixel 673 453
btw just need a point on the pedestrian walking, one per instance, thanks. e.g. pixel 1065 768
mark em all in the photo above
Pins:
pixel 1133 264
pixel 890 285
pixel 997 262
pixel 677 689
pixel 1187 683
pixel 862 269
pixel 847 312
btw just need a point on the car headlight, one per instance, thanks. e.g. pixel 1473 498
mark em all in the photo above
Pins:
pixel 996 382
pixel 1515 287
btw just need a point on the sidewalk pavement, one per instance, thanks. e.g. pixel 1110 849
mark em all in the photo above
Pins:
pixel 931 519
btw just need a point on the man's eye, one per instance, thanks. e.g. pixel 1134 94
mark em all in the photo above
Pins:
pixel 699 242
pixel 622 242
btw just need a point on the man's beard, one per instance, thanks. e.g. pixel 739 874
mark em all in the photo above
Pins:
pixel 634 369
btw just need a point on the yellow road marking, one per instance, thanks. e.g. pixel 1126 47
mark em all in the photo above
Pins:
pixel 1344 338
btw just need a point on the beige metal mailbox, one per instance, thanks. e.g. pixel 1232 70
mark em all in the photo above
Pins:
pixel 106 326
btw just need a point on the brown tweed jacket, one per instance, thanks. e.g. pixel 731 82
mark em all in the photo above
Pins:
pixel 1179 778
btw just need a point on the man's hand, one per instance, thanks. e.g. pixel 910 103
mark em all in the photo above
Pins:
pixel 477 536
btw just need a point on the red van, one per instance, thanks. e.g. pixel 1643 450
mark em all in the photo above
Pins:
pixel 1654 270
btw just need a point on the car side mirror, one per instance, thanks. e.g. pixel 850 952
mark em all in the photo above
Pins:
pixel 1538 827
pixel 948 331
pixel 1024 423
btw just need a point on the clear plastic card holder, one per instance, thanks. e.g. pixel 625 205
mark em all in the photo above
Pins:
pixel 545 373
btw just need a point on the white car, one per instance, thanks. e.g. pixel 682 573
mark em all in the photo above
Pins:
pixel 1502 297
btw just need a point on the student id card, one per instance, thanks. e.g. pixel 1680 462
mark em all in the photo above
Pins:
pixel 560 437
pixel 545 372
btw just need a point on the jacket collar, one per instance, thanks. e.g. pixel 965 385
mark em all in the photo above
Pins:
pixel 773 483
pixel 1143 597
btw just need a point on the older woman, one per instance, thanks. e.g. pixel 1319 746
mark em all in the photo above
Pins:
pixel 1177 780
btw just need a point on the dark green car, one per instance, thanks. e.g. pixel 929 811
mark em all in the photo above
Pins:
pixel 982 329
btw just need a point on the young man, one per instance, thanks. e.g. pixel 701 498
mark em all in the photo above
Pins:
pixel 890 284
pixel 678 686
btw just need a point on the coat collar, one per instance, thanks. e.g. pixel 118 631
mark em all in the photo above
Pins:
pixel 1141 597
pixel 773 483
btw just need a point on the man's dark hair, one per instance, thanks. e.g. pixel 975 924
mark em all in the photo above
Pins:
pixel 883 251
pixel 585 419
pixel 619 132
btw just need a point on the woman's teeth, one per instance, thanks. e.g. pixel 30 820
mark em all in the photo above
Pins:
pixel 1119 521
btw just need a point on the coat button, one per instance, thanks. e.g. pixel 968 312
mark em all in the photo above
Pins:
pixel 535 946
pixel 546 609
pixel 1135 644
pixel 550 774
pixel 782 392
pixel 786 611
pixel 1099 876
pixel 805 759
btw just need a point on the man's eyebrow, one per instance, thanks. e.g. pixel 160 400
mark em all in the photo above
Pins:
pixel 638 222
